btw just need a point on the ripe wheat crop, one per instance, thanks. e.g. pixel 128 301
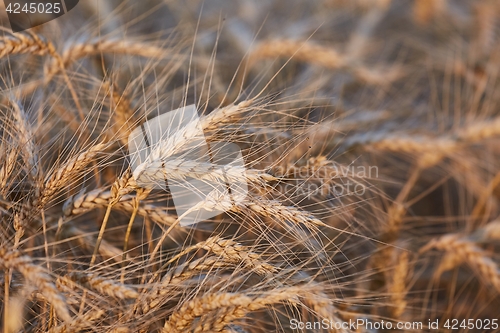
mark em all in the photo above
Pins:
pixel 368 188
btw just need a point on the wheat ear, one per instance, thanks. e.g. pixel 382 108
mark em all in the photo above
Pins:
pixel 476 258
pixel 27 139
pixel 186 135
pixel 231 251
pixel 229 306
pixel 25 42
pixel 38 277
pixel 398 285
pixel 99 198
pixel 178 274
pixel 103 286
pixel 83 322
pixel 68 171
pixel 148 173
pixel 327 57
pixel 9 162
pixel 122 112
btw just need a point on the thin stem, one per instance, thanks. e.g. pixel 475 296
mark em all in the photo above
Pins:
pixel 101 233
pixel 6 301
pixel 162 239
pixel 135 202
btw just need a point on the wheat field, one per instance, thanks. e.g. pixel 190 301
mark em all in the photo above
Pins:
pixel 369 132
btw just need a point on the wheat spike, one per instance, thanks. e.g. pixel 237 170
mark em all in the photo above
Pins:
pixel 483 266
pixel 68 171
pixel 229 306
pixel 149 173
pixel 26 140
pixel 231 251
pixel 38 277
pixel 179 274
pixel 81 323
pixel 319 55
pixel 103 286
pixel 25 42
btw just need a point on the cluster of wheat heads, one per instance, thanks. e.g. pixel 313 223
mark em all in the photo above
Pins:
pixel 370 134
